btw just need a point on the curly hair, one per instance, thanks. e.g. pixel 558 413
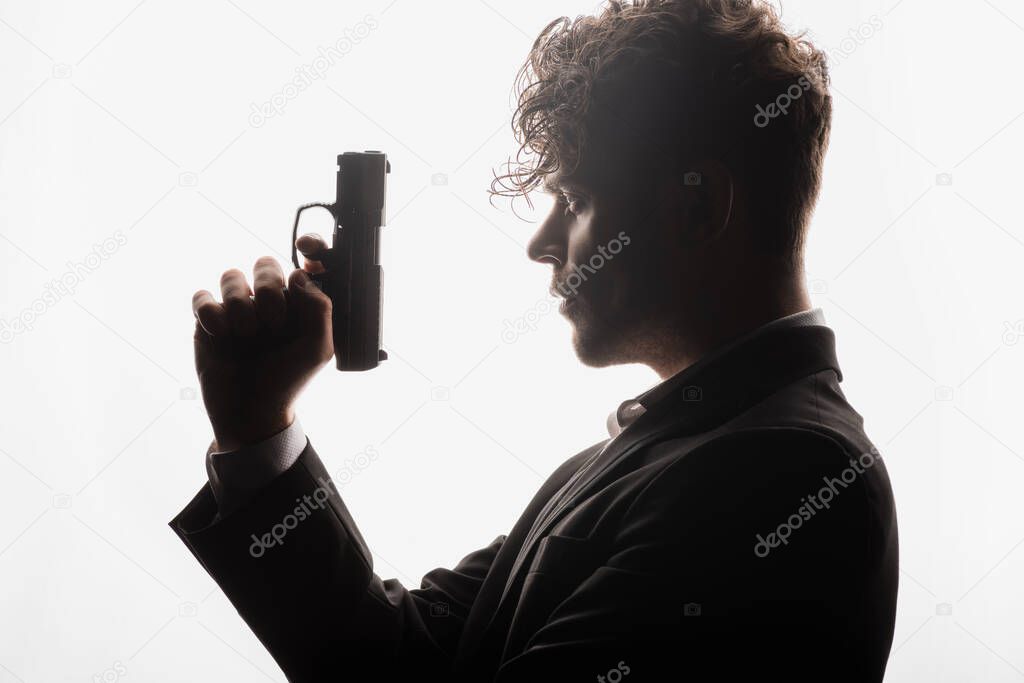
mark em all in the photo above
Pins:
pixel 658 82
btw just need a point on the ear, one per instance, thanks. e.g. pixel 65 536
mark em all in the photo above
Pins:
pixel 704 193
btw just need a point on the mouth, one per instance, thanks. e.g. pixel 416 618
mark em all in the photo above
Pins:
pixel 568 303
pixel 569 298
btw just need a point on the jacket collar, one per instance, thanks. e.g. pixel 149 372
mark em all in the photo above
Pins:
pixel 630 410
pixel 705 395
pixel 741 375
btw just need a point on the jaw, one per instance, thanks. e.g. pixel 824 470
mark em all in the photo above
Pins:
pixel 626 333
pixel 600 340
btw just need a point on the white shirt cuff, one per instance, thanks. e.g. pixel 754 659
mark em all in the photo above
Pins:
pixel 236 476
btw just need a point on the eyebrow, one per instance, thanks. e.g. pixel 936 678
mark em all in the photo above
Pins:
pixel 552 186
pixel 560 185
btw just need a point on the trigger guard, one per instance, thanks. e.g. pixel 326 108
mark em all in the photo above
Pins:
pixel 295 227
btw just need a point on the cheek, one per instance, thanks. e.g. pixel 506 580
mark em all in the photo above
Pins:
pixel 581 244
pixel 606 261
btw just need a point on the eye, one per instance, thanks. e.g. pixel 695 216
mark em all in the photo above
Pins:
pixel 573 203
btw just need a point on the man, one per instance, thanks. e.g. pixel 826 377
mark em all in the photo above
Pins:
pixel 738 523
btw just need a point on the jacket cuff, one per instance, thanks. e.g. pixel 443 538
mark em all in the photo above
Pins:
pixel 291 547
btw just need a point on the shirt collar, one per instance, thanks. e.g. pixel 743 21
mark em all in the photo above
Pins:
pixel 629 410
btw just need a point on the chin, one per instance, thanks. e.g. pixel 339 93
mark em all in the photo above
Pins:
pixel 617 337
pixel 597 347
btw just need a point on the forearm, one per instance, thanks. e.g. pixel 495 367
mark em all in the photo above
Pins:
pixel 295 566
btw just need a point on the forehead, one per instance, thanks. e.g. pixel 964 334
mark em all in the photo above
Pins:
pixel 560 182
pixel 597 171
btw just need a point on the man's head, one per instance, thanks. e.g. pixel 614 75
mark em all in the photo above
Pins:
pixel 684 141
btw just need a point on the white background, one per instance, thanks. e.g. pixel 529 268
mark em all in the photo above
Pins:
pixel 128 117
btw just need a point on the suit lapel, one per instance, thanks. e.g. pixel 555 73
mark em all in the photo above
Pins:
pixel 615 450
pixel 727 386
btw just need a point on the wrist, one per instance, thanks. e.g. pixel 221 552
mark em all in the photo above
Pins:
pixel 251 431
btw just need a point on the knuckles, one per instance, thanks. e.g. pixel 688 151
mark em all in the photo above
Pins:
pixel 266 262
pixel 207 309
pixel 321 303
pixel 234 300
pixel 268 290
pixel 230 275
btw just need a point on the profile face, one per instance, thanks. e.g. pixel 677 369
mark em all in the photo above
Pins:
pixel 609 266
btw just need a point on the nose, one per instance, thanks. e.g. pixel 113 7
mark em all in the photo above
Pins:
pixel 548 244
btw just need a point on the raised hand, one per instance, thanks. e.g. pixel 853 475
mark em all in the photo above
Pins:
pixel 258 347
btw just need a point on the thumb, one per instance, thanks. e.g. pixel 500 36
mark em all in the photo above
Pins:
pixel 313 307
pixel 203 346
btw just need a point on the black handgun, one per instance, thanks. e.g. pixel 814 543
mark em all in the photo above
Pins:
pixel 353 278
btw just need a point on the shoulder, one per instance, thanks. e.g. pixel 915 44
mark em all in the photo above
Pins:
pixel 784 452
pixel 749 482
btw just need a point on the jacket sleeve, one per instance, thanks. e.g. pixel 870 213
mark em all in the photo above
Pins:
pixel 293 563
pixel 682 591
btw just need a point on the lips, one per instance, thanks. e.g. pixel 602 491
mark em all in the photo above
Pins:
pixel 557 293
pixel 563 291
pixel 568 296
pixel 568 303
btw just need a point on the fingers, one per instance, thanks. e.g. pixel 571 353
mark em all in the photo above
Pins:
pixel 237 295
pixel 312 247
pixel 210 314
pixel 269 299
pixel 244 312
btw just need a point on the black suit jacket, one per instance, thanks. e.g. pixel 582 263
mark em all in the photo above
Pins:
pixel 743 527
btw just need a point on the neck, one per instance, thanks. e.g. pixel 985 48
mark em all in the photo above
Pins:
pixel 733 314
